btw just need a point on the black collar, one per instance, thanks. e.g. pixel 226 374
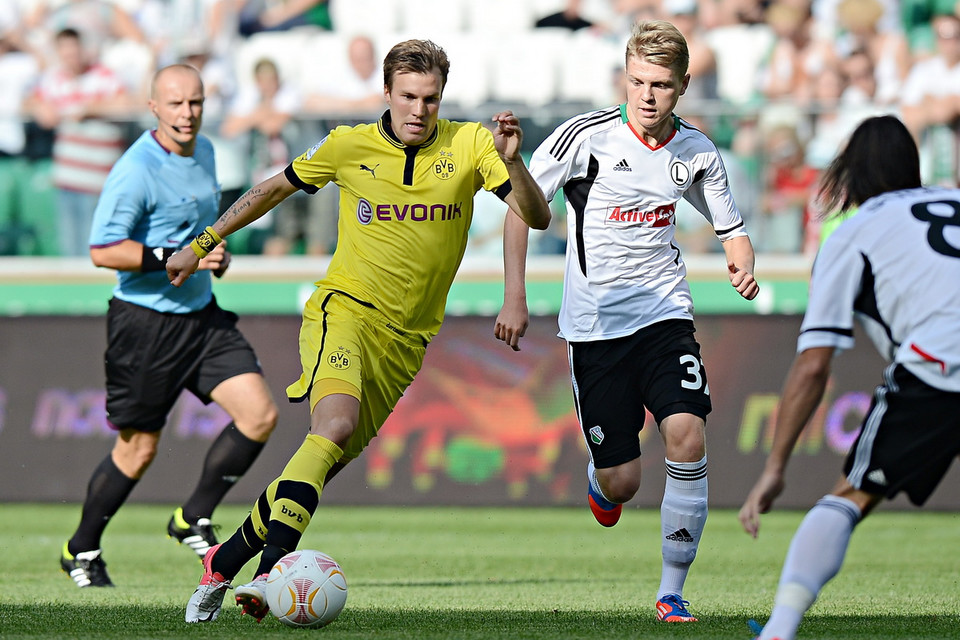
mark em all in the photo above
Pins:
pixel 386 130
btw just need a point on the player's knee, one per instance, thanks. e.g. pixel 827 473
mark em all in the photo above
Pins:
pixel 134 462
pixel 685 444
pixel 258 424
pixel 336 429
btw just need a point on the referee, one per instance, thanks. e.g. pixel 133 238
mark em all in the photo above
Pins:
pixel 163 339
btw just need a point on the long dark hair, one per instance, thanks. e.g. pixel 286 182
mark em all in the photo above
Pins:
pixel 880 156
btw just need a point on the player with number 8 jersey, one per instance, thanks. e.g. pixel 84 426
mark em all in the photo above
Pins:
pixel 894 266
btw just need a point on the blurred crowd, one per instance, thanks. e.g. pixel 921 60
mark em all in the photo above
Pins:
pixel 778 84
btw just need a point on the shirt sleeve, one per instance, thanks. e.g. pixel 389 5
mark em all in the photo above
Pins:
pixel 317 165
pixel 552 173
pixel 124 200
pixel 834 286
pixel 710 195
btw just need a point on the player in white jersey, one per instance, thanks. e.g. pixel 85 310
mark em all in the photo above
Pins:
pixel 626 313
pixel 895 266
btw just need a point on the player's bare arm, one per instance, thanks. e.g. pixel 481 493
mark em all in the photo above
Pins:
pixel 128 255
pixel 802 392
pixel 251 206
pixel 514 317
pixel 740 263
pixel 526 198
pixel 256 202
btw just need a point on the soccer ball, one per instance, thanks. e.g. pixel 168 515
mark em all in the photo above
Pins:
pixel 306 589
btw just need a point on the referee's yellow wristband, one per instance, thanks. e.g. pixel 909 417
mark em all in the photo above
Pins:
pixel 205 242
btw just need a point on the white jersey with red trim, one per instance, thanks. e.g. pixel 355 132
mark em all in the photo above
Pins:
pixel 623 270
pixel 895 266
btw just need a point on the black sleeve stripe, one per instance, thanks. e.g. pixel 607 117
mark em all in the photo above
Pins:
pixel 297 182
pixel 565 141
pixel 837 330
pixel 503 190
pixel 720 232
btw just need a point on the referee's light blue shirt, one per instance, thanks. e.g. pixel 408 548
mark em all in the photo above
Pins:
pixel 161 200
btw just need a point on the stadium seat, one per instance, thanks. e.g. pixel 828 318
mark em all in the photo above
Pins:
pixel 132 61
pixel 500 17
pixel 524 70
pixel 328 49
pixel 586 67
pixel 468 85
pixel 371 17
pixel 38 213
pixel 436 21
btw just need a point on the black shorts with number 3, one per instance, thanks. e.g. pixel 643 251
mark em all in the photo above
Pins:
pixel 615 381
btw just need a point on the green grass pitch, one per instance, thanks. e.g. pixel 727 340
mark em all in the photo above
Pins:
pixel 482 573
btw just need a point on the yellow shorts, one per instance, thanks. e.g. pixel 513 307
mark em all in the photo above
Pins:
pixel 349 347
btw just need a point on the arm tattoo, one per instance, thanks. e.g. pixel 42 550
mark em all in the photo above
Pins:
pixel 241 205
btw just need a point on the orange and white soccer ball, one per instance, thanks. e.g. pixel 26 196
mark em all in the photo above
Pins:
pixel 306 588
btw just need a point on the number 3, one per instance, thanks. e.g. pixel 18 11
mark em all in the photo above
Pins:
pixel 693 365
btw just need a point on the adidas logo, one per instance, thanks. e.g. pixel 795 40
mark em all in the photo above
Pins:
pixel 622 166
pixel 680 535
pixel 877 477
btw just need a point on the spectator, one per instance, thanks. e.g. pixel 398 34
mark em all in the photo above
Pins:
pixel 932 88
pixel 76 99
pixel 263 113
pixel 740 41
pixel 18 69
pixel 785 75
pixel 281 15
pixel 788 223
pixel 97 22
pixel 888 50
pixel 354 88
pixel 703 63
pixel 861 76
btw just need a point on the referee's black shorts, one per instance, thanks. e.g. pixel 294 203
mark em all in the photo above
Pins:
pixel 909 438
pixel 151 357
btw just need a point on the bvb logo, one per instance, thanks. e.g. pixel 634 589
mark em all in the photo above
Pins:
pixel 339 360
pixel 444 168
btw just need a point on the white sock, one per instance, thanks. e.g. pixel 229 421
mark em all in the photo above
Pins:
pixel 594 483
pixel 683 513
pixel 815 556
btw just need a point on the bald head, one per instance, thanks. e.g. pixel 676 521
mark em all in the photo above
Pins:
pixel 176 99
pixel 175 74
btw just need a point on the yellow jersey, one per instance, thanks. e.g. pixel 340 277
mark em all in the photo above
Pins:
pixel 404 212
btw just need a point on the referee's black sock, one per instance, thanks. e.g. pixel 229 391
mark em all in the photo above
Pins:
pixel 107 491
pixel 228 458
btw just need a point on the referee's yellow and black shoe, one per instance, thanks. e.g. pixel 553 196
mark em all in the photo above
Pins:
pixel 199 536
pixel 87 568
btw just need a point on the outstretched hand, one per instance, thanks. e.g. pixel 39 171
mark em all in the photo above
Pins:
pixel 185 262
pixel 760 499
pixel 507 136
pixel 512 323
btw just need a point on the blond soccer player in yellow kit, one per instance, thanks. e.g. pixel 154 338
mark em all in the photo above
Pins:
pixel 407 184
